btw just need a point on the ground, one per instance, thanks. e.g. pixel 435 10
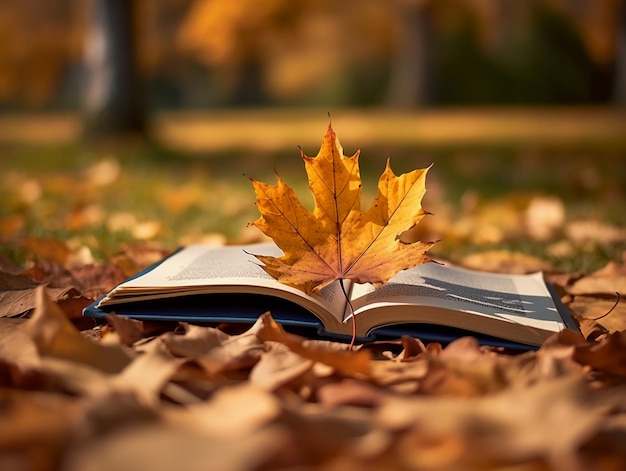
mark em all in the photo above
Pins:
pixel 510 190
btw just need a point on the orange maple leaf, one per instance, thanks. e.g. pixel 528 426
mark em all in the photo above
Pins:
pixel 337 240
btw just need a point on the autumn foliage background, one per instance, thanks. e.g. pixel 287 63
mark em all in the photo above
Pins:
pixel 519 106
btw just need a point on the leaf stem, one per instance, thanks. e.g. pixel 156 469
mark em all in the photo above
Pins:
pixel 345 293
pixel 610 310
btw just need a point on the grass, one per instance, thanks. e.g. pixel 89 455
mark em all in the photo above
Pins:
pixel 107 196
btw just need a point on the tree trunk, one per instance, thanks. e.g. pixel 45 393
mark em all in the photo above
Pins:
pixel 619 88
pixel 112 100
pixel 410 82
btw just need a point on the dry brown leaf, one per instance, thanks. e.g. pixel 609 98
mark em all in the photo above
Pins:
pixel 547 421
pixel 47 249
pixel 503 261
pixel 34 428
pixel 401 377
pixel 608 280
pixel 215 351
pixel 350 392
pixel 137 257
pixel 19 358
pixel 590 307
pixel 231 412
pixel 544 217
pixel 463 369
pixel 320 433
pixel 94 281
pixel 196 341
pixel 55 336
pixel 162 447
pixel 277 367
pixel 337 240
pixel 607 355
pixel 146 376
pixel 595 231
pixel 343 360
pixel 18 294
pixel 128 330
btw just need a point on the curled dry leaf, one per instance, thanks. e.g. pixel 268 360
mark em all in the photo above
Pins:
pixel 350 392
pixel 503 261
pixel 162 447
pixel 215 351
pixel 19 358
pixel 345 361
pixel 55 336
pixel 195 342
pixel 607 355
pixel 278 366
pixel 18 294
pixel 127 330
pixel 608 280
pixel 610 316
pixel 547 421
pixel 233 411
pixel 35 428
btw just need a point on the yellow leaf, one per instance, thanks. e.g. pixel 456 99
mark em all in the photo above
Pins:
pixel 338 240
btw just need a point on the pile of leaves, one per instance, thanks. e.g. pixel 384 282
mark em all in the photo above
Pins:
pixel 125 394
pixel 133 394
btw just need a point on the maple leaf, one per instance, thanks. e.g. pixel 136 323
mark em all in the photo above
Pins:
pixel 337 240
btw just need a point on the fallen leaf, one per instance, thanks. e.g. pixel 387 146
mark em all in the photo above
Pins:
pixel 503 261
pixel 18 294
pixel 345 361
pixel 608 280
pixel 215 351
pixel 231 412
pixel 231 354
pixel 337 240
pixel 195 342
pixel 19 358
pixel 544 217
pixel 547 421
pixel 595 231
pixel 35 427
pixel 137 257
pixel 350 392
pixel 93 281
pixel 47 249
pixel 608 314
pixel 147 374
pixel 607 355
pixel 162 447
pixel 55 336
pixel 128 330
pixel 463 369
pixel 278 366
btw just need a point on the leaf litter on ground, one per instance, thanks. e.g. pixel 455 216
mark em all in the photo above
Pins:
pixel 130 394
pixel 266 399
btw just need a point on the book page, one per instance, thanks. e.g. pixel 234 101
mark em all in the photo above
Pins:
pixel 522 299
pixel 198 268
pixel 200 264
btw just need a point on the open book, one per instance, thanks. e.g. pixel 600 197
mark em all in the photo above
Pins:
pixel 226 284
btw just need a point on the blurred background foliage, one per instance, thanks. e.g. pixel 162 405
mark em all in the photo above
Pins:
pixel 520 104
pixel 398 53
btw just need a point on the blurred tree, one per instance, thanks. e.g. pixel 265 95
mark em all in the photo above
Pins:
pixel 619 95
pixel 354 52
pixel 113 102
pixel 279 49
pixel 411 66
pixel 37 42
